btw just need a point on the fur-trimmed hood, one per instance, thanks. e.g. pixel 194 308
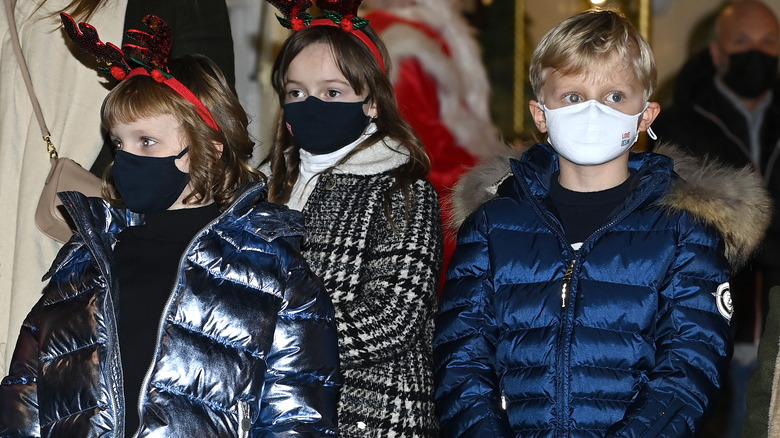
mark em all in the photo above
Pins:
pixel 732 200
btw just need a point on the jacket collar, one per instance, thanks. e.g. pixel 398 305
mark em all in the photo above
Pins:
pixel 98 222
pixel 732 200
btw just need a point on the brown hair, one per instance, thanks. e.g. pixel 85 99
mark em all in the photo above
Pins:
pixel 213 175
pixel 361 69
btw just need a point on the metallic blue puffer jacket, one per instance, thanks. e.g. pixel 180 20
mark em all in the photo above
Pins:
pixel 626 336
pixel 246 347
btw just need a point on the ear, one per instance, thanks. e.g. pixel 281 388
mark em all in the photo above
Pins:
pixel 647 117
pixel 716 54
pixel 372 111
pixel 538 115
pixel 218 146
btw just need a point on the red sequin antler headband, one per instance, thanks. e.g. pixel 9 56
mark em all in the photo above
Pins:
pixel 338 13
pixel 151 53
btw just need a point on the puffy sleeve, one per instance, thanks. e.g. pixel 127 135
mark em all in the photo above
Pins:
pixel 402 266
pixel 464 349
pixel 302 378
pixel 19 390
pixel 692 343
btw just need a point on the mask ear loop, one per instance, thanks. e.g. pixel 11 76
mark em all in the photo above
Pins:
pixel 651 133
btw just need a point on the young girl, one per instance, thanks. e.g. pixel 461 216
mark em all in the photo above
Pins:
pixel 69 96
pixel 197 276
pixel 345 157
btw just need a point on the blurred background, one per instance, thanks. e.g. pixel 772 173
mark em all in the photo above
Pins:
pixel 507 31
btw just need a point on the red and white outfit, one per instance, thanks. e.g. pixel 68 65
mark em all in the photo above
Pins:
pixel 442 90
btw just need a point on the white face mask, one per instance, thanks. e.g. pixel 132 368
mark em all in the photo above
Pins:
pixel 591 133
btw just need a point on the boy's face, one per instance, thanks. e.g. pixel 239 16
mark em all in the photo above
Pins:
pixel 614 85
pixel 158 136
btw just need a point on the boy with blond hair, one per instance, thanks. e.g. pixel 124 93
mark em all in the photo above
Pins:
pixel 588 295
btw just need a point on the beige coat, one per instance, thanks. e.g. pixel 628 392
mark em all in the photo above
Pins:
pixel 70 94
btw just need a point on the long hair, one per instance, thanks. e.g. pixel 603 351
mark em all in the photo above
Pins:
pixel 214 175
pixel 80 10
pixel 361 69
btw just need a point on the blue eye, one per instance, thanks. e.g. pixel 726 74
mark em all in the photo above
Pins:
pixel 615 98
pixel 573 98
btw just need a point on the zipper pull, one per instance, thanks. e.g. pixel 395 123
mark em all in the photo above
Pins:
pixel 244 420
pixel 567 282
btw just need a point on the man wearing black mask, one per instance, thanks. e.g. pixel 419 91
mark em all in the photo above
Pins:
pixel 735 118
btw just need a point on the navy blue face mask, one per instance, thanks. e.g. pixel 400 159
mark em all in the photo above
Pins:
pixel 321 127
pixel 149 184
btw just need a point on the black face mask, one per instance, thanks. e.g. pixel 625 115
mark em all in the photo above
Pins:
pixel 149 184
pixel 750 73
pixel 321 127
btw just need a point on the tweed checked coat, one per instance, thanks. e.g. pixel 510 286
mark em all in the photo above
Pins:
pixel 382 279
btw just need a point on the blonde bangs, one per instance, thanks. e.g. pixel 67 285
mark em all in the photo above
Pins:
pixel 586 43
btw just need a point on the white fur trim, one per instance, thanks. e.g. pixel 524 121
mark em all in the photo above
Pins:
pixel 463 88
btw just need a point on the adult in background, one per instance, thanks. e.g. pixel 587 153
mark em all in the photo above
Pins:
pixel 735 117
pixel 69 95
pixel 441 86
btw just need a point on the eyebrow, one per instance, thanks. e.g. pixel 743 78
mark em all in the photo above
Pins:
pixel 322 82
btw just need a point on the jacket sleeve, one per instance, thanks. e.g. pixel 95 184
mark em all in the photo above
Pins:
pixel 761 411
pixel 302 379
pixel 19 390
pixel 692 341
pixel 399 283
pixel 467 394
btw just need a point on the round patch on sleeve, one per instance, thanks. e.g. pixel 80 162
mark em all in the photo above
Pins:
pixel 723 300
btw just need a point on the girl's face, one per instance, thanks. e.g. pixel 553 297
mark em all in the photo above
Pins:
pixel 314 72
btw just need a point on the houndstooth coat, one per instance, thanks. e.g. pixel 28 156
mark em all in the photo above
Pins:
pixel 382 281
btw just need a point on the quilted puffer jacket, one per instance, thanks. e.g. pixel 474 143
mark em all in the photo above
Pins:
pixel 246 346
pixel 625 337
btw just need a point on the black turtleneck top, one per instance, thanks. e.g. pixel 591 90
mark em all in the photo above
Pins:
pixel 147 259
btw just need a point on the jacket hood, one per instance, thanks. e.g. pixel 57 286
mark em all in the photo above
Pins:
pixel 732 200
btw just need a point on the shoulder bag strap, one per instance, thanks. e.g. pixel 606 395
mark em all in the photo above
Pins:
pixel 9 13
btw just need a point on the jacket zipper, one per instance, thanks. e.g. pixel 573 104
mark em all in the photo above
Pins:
pixel 565 288
pixel 168 303
pixel 113 352
pixel 564 334
pixel 161 321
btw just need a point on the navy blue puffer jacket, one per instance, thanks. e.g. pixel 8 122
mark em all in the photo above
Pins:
pixel 626 336
pixel 246 347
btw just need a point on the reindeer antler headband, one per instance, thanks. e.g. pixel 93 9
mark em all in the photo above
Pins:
pixel 338 13
pixel 151 52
